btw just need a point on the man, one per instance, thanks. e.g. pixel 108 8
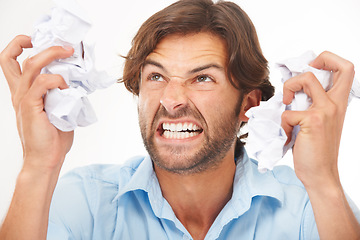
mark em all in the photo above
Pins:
pixel 197 68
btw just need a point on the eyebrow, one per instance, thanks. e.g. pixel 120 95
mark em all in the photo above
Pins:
pixel 195 70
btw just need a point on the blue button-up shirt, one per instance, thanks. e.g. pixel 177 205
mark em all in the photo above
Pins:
pixel 125 202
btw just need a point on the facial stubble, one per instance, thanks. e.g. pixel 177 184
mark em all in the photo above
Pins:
pixel 217 142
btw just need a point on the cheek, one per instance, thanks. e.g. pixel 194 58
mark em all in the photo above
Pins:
pixel 147 108
pixel 145 99
pixel 209 106
pixel 149 97
pixel 213 102
pixel 215 108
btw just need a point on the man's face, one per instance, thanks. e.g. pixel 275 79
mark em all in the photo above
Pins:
pixel 188 109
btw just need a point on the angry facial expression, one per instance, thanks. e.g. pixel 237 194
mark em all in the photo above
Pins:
pixel 189 112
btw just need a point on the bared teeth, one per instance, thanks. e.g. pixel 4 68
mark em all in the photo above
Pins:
pixel 180 127
pixel 180 130
pixel 179 135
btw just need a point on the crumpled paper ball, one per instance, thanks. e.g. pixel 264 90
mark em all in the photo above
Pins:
pixel 67 26
pixel 266 138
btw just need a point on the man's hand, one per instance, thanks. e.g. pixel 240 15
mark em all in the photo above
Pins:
pixel 44 146
pixel 317 144
pixel 40 139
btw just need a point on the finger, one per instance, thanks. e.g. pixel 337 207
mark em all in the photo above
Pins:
pixel 33 65
pixel 309 84
pixel 289 119
pixel 331 62
pixel 40 87
pixel 8 56
pixel 45 82
pixel 343 71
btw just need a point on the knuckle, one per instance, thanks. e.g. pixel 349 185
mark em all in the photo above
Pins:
pixel 349 67
pixel 19 37
pixel 48 80
pixel 284 116
pixel 58 77
pixel 309 77
pixel 4 58
pixel 327 55
pixel 317 118
pixel 287 84
pixel 29 63
pixel 4 55
pixel 41 79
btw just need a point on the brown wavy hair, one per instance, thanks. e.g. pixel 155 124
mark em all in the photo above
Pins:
pixel 247 68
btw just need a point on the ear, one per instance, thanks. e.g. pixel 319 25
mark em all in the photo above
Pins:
pixel 250 100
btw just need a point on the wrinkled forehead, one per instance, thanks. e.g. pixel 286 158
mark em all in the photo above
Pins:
pixel 186 51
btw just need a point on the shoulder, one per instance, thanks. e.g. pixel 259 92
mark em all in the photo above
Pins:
pixel 282 184
pixel 89 182
pixel 283 174
pixel 295 202
pixel 107 174
pixel 286 175
pixel 86 193
pixel 90 185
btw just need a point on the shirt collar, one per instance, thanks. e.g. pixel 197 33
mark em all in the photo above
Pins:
pixel 143 178
pixel 249 183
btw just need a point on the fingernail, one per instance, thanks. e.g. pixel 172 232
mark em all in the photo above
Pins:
pixel 67 48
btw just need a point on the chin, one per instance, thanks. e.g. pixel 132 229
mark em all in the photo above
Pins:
pixel 184 164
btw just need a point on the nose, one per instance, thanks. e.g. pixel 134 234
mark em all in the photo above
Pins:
pixel 174 97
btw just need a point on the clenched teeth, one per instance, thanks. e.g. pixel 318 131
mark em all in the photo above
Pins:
pixel 180 130
pixel 178 127
pixel 179 135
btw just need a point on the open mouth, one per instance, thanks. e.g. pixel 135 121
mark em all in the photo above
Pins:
pixel 179 130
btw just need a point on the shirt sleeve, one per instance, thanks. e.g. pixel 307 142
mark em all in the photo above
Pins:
pixel 308 227
pixel 56 232
pixel 354 208
pixel 70 215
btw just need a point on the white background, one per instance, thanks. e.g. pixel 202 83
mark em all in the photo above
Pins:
pixel 285 28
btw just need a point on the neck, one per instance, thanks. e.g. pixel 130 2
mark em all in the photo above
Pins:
pixel 197 199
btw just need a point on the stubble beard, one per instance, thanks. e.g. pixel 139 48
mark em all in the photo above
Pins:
pixel 209 156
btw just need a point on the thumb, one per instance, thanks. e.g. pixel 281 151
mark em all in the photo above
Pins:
pixel 289 119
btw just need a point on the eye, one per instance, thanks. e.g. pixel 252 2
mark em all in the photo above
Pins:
pixel 204 78
pixel 155 77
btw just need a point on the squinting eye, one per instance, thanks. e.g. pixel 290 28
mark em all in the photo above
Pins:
pixel 155 77
pixel 203 78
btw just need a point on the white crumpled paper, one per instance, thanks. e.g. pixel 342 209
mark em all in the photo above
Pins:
pixel 67 26
pixel 266 139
